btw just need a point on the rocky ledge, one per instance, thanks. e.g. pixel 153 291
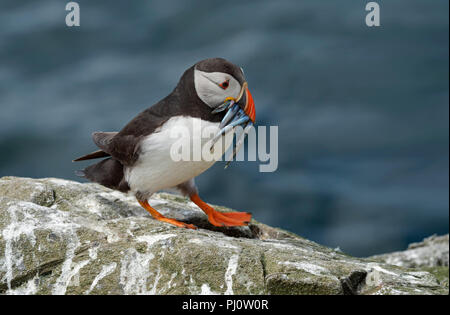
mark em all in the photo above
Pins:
pixel 63 237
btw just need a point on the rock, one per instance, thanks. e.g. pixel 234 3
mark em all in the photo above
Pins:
pixel 432 255
pixel 63 237
pixel 431 252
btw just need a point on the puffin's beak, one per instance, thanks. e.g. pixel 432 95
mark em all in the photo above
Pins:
pixel 241 107
pixel 240 112
pixel 246 102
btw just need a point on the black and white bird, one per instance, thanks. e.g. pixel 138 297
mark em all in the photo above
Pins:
pixel 211 94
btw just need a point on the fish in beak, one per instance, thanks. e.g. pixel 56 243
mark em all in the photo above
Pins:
pixel 240 112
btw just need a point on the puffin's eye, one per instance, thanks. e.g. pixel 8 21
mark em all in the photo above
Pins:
pixel 225 84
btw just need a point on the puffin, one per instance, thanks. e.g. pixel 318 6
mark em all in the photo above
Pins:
pixel 213 96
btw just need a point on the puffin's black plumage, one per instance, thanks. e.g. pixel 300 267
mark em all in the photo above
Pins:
pixel 108 172
pixel 123 148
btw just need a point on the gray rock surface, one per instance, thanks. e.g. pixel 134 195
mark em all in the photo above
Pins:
pixel 63 237
pixel 433 251
pixel 432 255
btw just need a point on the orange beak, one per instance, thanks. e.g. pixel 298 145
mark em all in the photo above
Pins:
pixel 246 102
pixel 249 108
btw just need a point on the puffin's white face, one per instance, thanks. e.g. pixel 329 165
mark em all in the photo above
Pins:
pixel 214 87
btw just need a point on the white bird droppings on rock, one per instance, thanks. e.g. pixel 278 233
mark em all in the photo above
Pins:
pixel 106 270
pixel 231 271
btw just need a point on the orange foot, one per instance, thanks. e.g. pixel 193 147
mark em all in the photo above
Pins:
pixel 217 218
pixel 158 216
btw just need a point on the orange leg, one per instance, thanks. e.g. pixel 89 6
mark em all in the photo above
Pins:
pixel 222 218
pixel 158 216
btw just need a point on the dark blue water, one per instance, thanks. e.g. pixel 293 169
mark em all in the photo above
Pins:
pixel 362 112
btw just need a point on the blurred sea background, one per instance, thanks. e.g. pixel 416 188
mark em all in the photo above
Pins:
pixel 363 113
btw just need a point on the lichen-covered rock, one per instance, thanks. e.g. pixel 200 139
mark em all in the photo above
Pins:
pixel 63 237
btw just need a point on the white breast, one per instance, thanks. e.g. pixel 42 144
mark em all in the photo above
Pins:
pixel 156 169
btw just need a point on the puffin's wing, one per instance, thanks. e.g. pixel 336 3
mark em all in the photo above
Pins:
pixel 103 140
pixel 120 147
pixel 123 146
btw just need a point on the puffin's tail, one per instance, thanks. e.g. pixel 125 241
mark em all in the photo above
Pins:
pixel 108 172
pixel 94 155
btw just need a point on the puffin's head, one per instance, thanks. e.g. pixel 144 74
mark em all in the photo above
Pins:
pixel 221 84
